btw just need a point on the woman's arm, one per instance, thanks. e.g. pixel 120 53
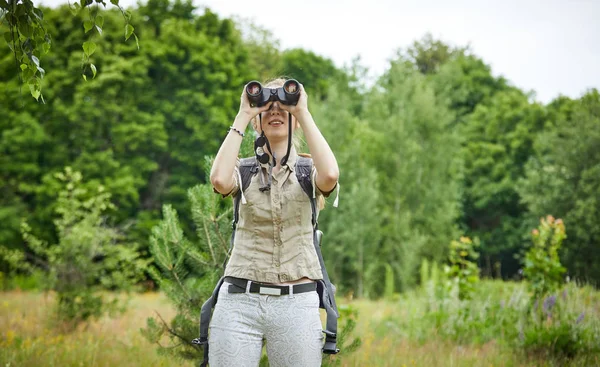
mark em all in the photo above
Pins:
pixel 322 155
pixel 324 160
pixel 222 171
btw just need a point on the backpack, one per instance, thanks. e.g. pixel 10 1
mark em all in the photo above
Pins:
pixel 249 167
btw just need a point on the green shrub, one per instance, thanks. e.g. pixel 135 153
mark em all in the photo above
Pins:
pixel 558 328
pixel 463 273
pixel 542 266
pixel 552 327
pixel 88 258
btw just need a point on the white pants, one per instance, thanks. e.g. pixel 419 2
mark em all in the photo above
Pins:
pixel 290 324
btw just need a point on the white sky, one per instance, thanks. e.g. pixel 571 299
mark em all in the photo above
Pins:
pixel 551 47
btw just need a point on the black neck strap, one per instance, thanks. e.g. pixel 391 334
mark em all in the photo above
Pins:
pixel 289 147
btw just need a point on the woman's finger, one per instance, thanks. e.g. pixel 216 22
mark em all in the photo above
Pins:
pixel 265 107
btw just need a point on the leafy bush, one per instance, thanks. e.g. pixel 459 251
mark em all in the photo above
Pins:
pixel 556 329
pixel 89 256
pixel 535 318
pixel 463 273
pixel 551 328
pixel 542 264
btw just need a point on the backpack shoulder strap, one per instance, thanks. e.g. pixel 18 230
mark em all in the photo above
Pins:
pixel 248 168
pixel 304 166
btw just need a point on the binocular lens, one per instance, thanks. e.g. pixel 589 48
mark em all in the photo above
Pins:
pixel 291 87
pixel 254 88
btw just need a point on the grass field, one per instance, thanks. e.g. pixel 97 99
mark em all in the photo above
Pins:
pixel 28 338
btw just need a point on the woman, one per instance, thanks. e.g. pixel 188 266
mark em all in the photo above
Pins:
pixel 273 244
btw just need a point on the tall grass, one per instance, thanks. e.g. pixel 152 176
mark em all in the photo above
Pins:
pixel 412 329
pixel 499 314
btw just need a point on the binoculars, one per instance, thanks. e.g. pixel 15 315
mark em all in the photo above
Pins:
pixel 260 96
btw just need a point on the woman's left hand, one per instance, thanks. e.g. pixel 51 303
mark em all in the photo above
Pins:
pixel 300 107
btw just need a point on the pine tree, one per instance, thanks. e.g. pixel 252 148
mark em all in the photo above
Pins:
pixel 187 270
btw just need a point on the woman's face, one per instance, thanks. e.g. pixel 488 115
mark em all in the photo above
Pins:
pixel 275 123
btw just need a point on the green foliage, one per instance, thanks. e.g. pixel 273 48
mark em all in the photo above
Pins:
pixel 419 179
pixel 562 179
pixel 349 251
pixel 499 140
pixel 463 273
pixel 437 147
pixel 28 38
pixel 542 265
pixel 553 329
pixel 315 72
pixel 141 128
pixel 346 342
pixel 33 281
pixel 428 55
pixel 500 312
pixel 89 256
pixel 187 271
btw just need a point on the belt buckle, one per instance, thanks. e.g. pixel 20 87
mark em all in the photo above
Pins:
pixel 270 291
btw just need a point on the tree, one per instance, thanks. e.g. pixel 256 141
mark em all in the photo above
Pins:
pixel 144 148
pixel 348 249
pixel 187 271
pixel 498 142
pixel 315 72
pixel 562 179
pixel 464 82
pixel 419 169
pixel 428 54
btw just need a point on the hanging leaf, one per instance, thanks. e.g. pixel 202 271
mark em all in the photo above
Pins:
pixel 38 13
pixel 93 67
pixel 99 29
pixel 100 21
pixel 114 2
pixel 35 88
pixel 89 48
pixel 128 31
pixel 137 42
pixel 88 25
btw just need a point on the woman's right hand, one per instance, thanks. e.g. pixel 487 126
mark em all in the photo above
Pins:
pixel 248 112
